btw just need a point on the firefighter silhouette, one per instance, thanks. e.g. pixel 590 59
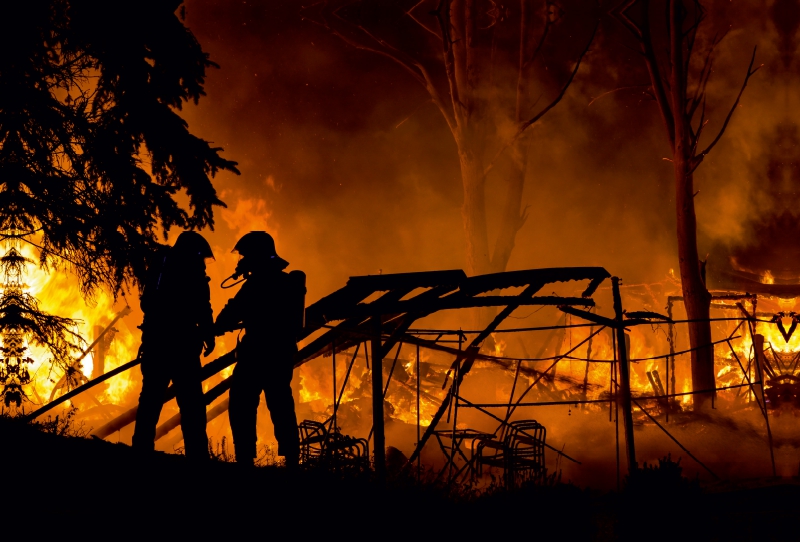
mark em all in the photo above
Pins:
pixel 269 307
pixel 178 325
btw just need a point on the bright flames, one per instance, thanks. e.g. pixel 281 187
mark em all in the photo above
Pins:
pixel 58 294
pixel 584 372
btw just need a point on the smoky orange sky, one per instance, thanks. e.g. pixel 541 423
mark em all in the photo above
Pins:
pixel 347 162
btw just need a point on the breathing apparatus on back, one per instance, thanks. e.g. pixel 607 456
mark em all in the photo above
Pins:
pixel 257 252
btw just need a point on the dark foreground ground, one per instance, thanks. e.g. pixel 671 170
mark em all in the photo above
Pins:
pixel 58 486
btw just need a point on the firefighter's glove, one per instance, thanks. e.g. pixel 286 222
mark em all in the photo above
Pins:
pixel 209 343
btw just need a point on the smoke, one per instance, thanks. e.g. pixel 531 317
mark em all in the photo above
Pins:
pixel 368 174
pixel 346 161
pixel 751 176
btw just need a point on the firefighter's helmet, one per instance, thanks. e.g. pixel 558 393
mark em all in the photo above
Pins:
pixel 191 243
pixel 259 246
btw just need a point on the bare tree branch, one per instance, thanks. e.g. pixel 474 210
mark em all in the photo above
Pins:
pixel 410 13
pixel 528 123
pixel 606 93
pixel 548 24
pixel 411 65
pixel 750 71
pixel 445 25
pixel 526 58
pixel 461 19
pixel 658 80
pixel 461 84
pixel 702 82
pixel 691 33
pixel 701 125
pixel 705 74
pixel 619 14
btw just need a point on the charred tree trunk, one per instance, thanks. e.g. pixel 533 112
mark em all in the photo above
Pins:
pixel 472 96
pixel 473 211
pixel 695 294
pixel 513 217
pixel 668 66
pixel 696 297
pixel 473 214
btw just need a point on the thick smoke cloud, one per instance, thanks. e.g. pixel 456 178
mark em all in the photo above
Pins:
pixel 344 158
pixel 314 126
pixel 348 163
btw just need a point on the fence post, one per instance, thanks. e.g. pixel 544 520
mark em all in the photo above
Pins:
pixel 625 377
pixel 333 363
pixel 758 356
pixel 378 432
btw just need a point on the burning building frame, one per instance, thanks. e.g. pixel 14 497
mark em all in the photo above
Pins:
pixel 372 318
pixel 385 361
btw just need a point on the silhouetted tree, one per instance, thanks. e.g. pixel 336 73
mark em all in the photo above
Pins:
pixel 667 35
pixel 481 63
pixel 93 151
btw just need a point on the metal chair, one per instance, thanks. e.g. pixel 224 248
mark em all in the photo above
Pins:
pixel 312 440
pixel 319 445
pixel 520 453
pixel 451 443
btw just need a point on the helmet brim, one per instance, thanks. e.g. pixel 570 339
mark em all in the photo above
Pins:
pixel 272 261
pixel 278 262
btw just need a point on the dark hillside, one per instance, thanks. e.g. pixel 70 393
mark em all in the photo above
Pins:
pixel 74 484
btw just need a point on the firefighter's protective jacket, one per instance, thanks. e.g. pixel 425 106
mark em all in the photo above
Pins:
pixel 176 301
pixel 266 307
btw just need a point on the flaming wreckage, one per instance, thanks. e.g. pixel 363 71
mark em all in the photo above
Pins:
pixel 377 312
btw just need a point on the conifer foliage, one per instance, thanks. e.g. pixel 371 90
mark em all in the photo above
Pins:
pixel 93 151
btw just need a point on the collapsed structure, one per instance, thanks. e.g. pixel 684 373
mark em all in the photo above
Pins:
pixel 380 310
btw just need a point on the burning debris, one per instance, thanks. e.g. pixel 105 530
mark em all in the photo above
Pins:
pixel 457 389
pixel 45 355
pixel 465 388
